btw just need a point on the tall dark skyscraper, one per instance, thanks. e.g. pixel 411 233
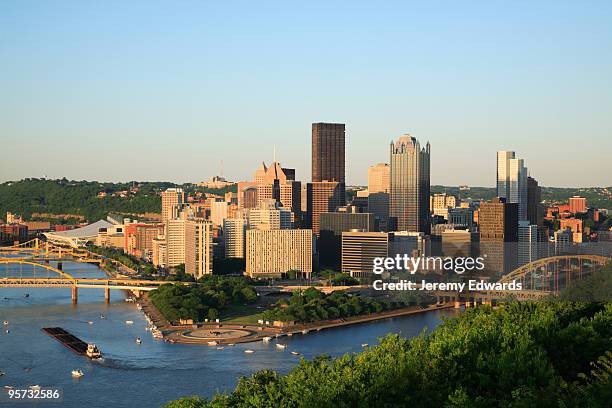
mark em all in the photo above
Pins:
pixel 328 152
pixel 409 198
pixel 534 198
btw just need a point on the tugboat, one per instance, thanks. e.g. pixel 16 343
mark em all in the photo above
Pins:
pixel 77 373
pixel 93 352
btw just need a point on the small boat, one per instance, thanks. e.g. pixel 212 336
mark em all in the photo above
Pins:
pixel 231 344
pixel 6 322
pixel 289 334
pixel 212 343
pixel 267 339
pixel 2 373
pixel 90 322
pixel 138 340
pixel 34 387
pixel 295 353
pixel 77 373
pixel 280 346
pixel 8 387
pixel 305 331
pixel 7 331
pixel 249 351
pixel 102 316
pixel 365 345
pixel 220 348
pixel 93 352
pixel 129 322
pixel 27 295
pixel 138 306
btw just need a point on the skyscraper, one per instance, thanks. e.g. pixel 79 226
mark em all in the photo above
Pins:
pixel 322 197
pixel 409 200
pixel 328 152
pixel 534 199
pixel 198 247
pixel 498 234
pixel 512 181
pixel 379 178
pixel 170 199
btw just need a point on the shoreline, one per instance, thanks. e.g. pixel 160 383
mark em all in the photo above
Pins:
pixel 218 334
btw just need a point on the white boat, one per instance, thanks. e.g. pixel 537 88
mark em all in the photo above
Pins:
pixel 220 348
pixel 138 340
pixel 90 322
pixel 212 343
pixel 129 322
pixel 295 353
pixel 93 352
pixel 280 346
pixel 249 351
pixel 365 345
pixel 2 373
pixel 289 334
pixel 34 387
pixel 138 306
pixel 6 322
pixel 267 339
pixel 305 331
pixel 77 373
pixel 102 317
pixel 231 344
pixel 8 387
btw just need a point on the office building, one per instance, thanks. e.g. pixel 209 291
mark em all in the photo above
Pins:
pixel 527 243
pixel 461 217
pixel 512 181
pixel 535 211
pixel 234 234
pixel 359 250
pixel 328 152
pixel 198 247
pixel 322 197
pixel 171 198
pixel 139 237
pixel 332 225
pixel 379 178
pixel 498 235
pixel 410 176
pixel 457 243
pixel 160 251
pixel 269 215
pixel 175 241
pixel 577 205
pixel 378 204
pixel 272 253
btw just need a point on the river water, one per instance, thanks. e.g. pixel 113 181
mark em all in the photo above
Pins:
pixel 154 372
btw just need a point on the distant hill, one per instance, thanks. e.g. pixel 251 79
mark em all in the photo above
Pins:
pixel 599 197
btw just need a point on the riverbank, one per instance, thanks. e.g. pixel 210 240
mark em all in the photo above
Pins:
pixel 215 334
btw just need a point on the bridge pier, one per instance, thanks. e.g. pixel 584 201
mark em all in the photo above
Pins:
pixel 75 295
pixel 106 295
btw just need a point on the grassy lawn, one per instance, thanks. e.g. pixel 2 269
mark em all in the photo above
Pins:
pixel 248 314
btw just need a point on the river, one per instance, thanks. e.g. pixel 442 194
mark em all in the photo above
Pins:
pixel 154 372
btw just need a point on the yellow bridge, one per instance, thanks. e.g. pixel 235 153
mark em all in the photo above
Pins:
pixel 37 255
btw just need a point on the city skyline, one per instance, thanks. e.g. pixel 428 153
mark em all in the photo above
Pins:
pixel 180 92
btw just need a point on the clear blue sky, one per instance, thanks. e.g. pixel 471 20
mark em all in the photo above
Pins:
pixel 147 90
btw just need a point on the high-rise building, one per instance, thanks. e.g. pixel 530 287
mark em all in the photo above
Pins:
pixel 175 241
pixel 577 204
pixel 234 233
pixel 160 251
pixel 512 181
pixel 498 235
pixel 332 225
pixel 171 198
pixel 359 250
pixel 534 200
pixel 378 204
pixel 139 237
pixel 328 152
pixel 269 215
pixel 322 197
pixel 198 248
pixel 527 243
pixel 457 243
pixel 379 178
pixel 272 253
pixel 462 217
pixel 410 176
pixel 442 201
pixel 218 212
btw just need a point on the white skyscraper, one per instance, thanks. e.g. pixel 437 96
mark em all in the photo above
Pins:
pixel 512 181
pixel 528 243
